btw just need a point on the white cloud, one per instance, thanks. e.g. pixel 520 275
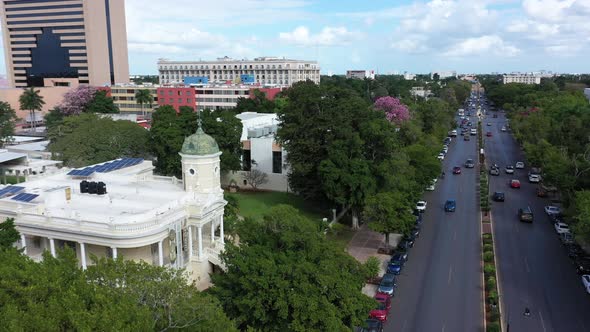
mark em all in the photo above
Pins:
pixel 547 10
pixel 411 45
pixel 329 36
pixel 482 45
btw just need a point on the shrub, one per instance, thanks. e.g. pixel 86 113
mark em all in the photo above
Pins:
pixel 488 256
pixel 493 327
pixel 494 314
pixel 491 284
pixel 488 247
pixel 489 269
pixel 487 236
pixel 493 297
pixel 371 267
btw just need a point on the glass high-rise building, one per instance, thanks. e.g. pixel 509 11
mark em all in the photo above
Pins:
pixel 65 42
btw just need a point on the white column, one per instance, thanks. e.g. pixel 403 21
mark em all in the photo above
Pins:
pixel 114 252
pixel 52 247
pixel 83 254
pixel 160 254
pixel 23 243
pixel 212 225
pixel 200 235
pixel 221 234
pixel 190 242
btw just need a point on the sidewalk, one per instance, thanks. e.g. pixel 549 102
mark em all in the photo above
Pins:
pixel 364 244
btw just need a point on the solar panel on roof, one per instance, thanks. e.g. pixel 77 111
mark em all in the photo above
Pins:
pixel 10 190
pixel 25 197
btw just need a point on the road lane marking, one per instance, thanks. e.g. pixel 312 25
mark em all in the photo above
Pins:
pixel 526 265
pixel 443 328
pixel 542 321
pixel 450 274
pixel 455 236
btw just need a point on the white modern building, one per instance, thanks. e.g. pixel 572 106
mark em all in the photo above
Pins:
pixel 360 74
pixel 264 70
pixel 409 76
pixel 521 78
pixel 261 152
pixel 419 91
pixel 120 208
pixel 442 74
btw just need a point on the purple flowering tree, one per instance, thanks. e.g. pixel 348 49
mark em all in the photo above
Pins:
pixel 395 111
pixel 75 101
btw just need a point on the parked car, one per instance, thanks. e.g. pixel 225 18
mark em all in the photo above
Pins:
pixel 525 214
pixel 473 132
pixel 582 265
pixel 534 178
pixel 561 228
pixel 441 156
pixel 405 245
pixel 489 124
pixel 432 185
pixel 372 325
pixel 450 205
pixel 574 250
pixel 466 138
pixel 380 312
pixel 469 163
pixel 566 238
pixel 456 170
pixel 515 184
pixel 445 149
pixel 552 210
pixel 387 285
pixel 395 264
pixel 509 169
pixel 498 196
pixel 384 299
pixel 489 134
pixel 519 165
pixel 503 128
pixel 421 206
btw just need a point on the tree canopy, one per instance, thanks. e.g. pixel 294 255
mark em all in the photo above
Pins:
pixel 89 139
pixel 7 119
pixel 285 276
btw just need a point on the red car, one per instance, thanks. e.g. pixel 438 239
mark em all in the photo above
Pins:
pixel 456 170
pixel 380 297
pixel 380 312
pixel 515 184
pixel 489 134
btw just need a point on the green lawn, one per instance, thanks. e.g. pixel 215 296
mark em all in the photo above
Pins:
pixel 255 204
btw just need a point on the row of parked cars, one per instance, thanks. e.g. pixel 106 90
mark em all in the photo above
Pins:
pixel 388 284
pixel 580 259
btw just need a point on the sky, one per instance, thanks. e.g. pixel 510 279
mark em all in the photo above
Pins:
pixel 469 36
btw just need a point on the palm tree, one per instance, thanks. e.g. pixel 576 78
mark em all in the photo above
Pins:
pixel 144 97
pixel 31 100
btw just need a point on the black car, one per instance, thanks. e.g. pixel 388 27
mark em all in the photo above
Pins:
pixel 469 163
pixel 582 265
pixel 574 251
pixel 372 325
pixel 404 245
pixel 498 196
pixel 410 238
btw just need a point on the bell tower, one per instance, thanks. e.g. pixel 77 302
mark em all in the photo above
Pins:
pixel 200 163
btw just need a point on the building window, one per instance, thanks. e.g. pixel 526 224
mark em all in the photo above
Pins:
pixel 246 160
pixel 277 162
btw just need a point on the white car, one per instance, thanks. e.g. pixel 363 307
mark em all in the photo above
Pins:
pixel 453 133
pixel 586 282
pixel 519 165
pixel 441 156
pixel 534 178
pixel 562 228
pixel 509 169
pixel 503 129
pixel 421 206
pixel 445 148
pixel 432 185
pixel 552 210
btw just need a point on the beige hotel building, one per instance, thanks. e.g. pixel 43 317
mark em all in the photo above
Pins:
pixel 65 42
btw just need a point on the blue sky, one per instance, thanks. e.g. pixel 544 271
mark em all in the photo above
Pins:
pixel 416 36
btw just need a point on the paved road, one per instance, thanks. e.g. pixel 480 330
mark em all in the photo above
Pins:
pixel 534 269
pixel 440 288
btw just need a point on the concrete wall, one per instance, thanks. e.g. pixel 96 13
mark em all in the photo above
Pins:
pixel 276 182
pixel 52 97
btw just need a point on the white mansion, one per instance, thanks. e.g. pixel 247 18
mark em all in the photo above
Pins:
pixel 120 208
